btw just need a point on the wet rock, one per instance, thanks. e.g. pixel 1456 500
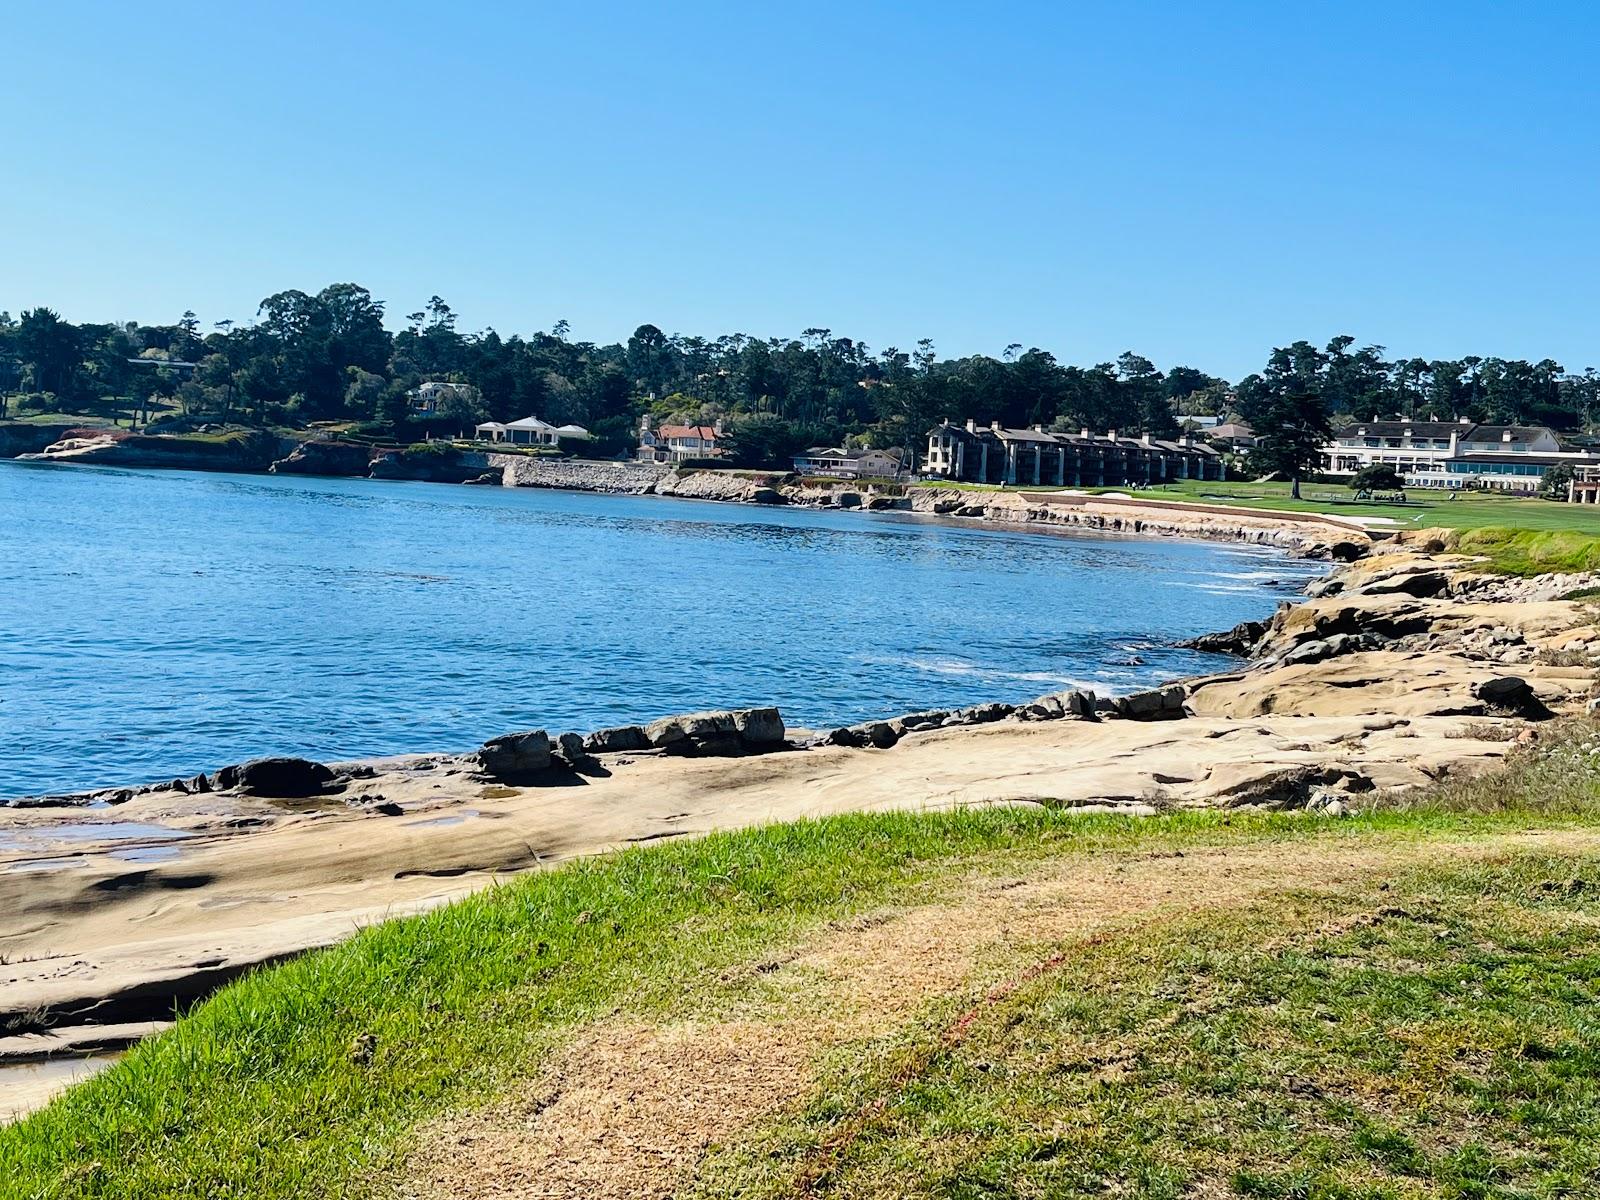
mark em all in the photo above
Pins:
pixel 515 755
pixel 281 778
pixel 1239 640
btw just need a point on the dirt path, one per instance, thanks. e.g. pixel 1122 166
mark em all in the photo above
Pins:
pixel 628 1110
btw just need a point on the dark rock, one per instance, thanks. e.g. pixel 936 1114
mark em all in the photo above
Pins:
pixel 281 778
pixel 765 495
pixel 387 809
pixel 618 740
pixel 1348 551
pixel 759 726
pixel 984 714
pixel 1321 588
pixel 1511 693
pixel 843 737
pixel 516 755
pixel 931 718
pixel 717 744
pixel 1413 583
pixel 325 458
pixel 1239 640
pixel 1158 704
pixel 199 785
pixel 972 510
pixel 880 734
pixel 572 749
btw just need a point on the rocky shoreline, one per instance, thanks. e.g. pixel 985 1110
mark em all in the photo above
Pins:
pixel 261 452
pixel 1399 670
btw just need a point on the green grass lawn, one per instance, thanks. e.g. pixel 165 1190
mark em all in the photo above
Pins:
pixel 1422 509
pixel 1445 1049
pixel 49 418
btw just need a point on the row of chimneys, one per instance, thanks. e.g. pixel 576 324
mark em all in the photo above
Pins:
pixel 1186 439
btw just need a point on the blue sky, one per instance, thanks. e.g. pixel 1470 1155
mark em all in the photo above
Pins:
pixel 1193 181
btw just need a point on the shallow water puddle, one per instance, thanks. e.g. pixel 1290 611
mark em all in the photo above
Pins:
pixel 89 831
pixel 27 1086
pixel 25 865
pixel 146 854
pixel 448 819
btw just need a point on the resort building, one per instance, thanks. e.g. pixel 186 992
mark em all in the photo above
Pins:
pixel 838 463
pixel 678 443
pixel 530 431
pixel 1232 435
pixel 972 453
pixel 1453 454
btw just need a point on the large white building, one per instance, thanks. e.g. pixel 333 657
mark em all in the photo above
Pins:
pixel 1453 454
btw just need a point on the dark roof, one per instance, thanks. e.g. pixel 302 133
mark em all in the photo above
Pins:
pixel 1497 433
pixel 1427 429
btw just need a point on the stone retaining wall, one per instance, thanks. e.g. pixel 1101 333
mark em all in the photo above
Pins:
pixel 579 475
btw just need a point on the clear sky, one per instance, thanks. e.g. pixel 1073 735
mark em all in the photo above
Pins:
pixel 1196 181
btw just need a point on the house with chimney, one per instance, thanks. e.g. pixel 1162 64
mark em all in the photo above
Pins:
pixel 678 443
pixel 1453 454
pixel 998 454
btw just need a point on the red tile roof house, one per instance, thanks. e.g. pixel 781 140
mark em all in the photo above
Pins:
pixel 678 443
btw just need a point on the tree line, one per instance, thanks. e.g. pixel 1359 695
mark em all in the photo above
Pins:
pixel 332 357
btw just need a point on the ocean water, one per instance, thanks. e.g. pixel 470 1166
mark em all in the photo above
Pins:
pixel 155 624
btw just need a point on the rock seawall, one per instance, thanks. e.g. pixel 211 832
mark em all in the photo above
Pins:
pixel 579 475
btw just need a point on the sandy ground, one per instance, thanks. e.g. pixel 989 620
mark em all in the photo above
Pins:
pixel 107 918
pixel 629 1110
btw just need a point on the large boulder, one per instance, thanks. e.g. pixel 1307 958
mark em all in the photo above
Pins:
pixel 281 778
pixel 717 732
pixel 617 740
pixel 515 755
pixel 1421 584
pixel 1158 704
pixel 759 727
pixel 1512 694
pixel 1239 640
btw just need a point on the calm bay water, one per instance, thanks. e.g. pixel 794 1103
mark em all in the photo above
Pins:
pixel 155 624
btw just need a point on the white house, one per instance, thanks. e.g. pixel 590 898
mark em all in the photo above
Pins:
pixel 838 463
pixel 1453 454
pixel 427 396
pixel 529 431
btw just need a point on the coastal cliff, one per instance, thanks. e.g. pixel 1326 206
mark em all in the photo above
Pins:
pixel 239 450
